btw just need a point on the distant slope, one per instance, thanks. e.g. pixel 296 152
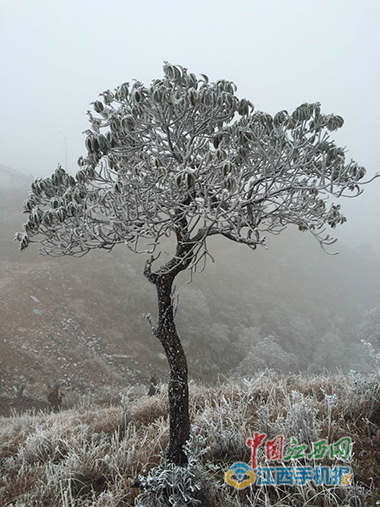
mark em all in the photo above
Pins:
pixel 12 178
pixel 55 325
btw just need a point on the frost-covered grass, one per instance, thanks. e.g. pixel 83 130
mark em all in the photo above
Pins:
pixel 93 456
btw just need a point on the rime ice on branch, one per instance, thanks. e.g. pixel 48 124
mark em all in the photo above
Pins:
pixel 186 151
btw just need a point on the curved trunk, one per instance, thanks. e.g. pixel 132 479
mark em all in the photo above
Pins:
pixel 166 332
pixel 178 390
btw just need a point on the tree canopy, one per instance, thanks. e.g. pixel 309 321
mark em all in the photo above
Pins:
pixel 188 157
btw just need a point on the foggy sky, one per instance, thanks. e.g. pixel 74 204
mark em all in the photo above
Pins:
pixel 57 56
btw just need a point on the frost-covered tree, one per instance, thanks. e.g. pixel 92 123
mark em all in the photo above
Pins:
pixel 330 352
pixel 267 354
pixel 186 158
pixel 369 329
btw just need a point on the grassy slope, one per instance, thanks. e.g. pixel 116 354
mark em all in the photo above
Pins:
pixel 92 455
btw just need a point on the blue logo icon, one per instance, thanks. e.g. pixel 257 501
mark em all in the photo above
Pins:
pixel 240 469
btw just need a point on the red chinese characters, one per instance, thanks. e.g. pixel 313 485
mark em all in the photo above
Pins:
pixel 254 443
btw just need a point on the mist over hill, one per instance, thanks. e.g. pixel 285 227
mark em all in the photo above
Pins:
pixel 9 178
pixel 80 321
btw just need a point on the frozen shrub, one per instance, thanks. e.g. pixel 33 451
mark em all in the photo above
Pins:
pixel 177 486
pixel 373 356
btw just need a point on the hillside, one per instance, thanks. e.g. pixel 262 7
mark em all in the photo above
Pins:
pixel 9 178
pixel 106 457
pixel 80 321
pixel 55 324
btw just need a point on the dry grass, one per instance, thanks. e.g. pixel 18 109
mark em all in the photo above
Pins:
pixel 92 455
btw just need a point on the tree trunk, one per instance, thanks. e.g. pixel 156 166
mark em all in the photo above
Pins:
pixel 166 332
pixel 178 389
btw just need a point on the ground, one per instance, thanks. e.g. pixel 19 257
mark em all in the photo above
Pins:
pixel 98 456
